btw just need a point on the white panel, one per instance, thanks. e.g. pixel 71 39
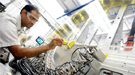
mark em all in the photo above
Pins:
pixel 4 1
pixel 97 15
pixel 70 4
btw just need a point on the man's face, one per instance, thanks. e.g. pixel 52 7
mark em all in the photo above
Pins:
pixel 30 18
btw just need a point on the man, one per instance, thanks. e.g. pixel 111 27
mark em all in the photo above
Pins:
pixel 8 33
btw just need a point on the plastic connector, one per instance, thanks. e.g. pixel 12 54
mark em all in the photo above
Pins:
pixel 70 44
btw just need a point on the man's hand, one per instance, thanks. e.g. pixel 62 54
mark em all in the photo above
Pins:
pixel 55 42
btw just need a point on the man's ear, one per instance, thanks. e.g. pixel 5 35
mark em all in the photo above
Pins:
pixel 23 12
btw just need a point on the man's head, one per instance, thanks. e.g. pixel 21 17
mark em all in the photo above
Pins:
pixel 29 15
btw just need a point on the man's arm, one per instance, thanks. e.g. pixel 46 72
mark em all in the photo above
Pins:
pixel 19 52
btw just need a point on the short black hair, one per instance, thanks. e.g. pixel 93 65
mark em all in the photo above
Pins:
pixel 29 8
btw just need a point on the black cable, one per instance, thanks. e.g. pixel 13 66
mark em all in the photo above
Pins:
pixel 21 68
pixel 73 53
pixel 87 63
pixel 88 69
pixel 63 66
pixel 84 56
pixel 79 53
pixel 27 69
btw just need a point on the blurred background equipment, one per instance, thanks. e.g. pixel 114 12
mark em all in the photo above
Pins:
pixel 4 55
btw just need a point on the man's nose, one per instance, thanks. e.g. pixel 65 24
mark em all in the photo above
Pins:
pixel 33 22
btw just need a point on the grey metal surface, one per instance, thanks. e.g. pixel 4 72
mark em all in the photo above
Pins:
pixel 61 55
pixel 100 56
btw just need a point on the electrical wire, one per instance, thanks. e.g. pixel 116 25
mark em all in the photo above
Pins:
pixel 67 68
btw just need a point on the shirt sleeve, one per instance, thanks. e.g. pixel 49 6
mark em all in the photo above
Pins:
pixel 8 31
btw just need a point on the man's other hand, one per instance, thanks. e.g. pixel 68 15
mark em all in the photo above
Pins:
pixel 55 42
